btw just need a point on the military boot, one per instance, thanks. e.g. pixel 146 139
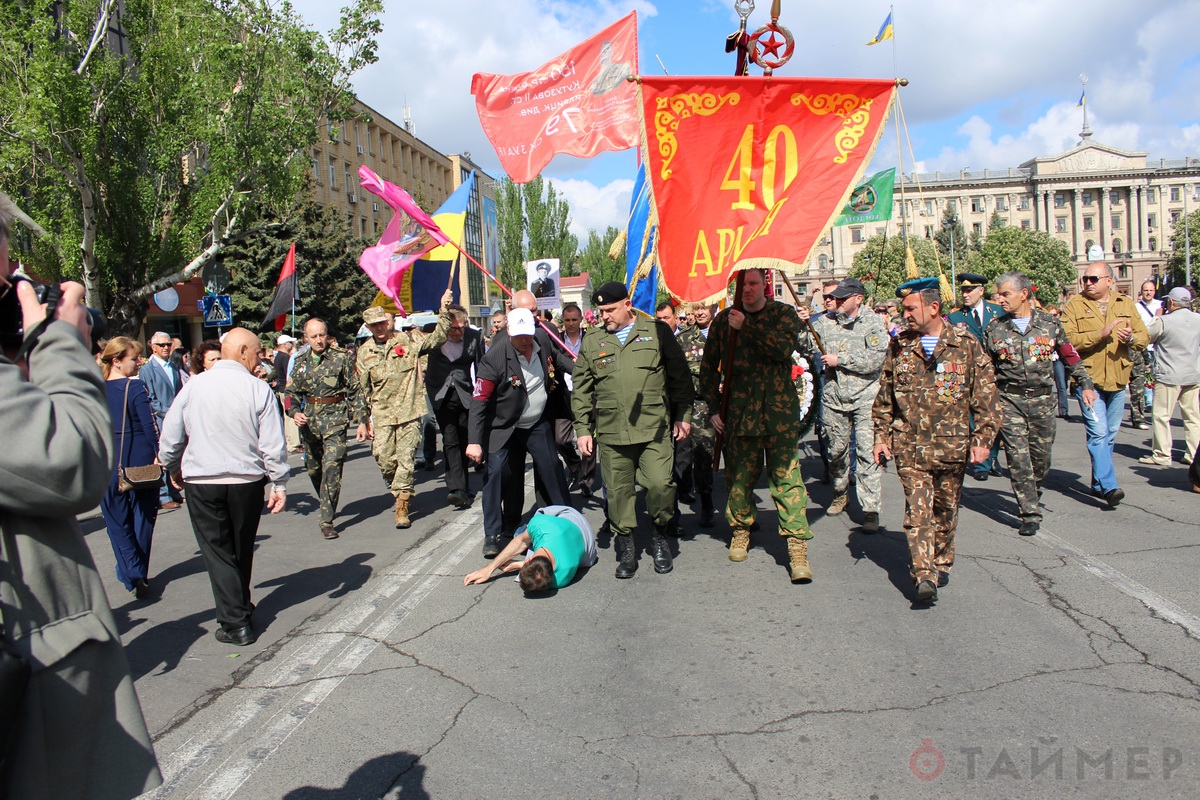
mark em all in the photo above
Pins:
pixel 739 546
pixel 402 511
pixel 798 555
pixel 706 510
pixel 627 553
pixel 662 551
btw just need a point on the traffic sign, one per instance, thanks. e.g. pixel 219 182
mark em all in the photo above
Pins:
pixel 218 311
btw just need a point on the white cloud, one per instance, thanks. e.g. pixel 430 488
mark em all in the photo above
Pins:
pixel 596 207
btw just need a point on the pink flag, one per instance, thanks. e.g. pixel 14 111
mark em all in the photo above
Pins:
pixel 409 235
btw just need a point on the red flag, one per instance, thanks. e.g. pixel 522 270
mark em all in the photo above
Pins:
pixel 748 172
pixel 285 294
pixel 578 103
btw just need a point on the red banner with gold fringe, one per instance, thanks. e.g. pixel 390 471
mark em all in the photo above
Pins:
pixel 748 172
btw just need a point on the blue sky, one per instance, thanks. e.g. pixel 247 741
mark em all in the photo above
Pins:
pixel 991 84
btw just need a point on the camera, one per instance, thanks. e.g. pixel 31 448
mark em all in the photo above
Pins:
pixel 12 321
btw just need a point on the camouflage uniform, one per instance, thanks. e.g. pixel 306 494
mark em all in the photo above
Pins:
pixel 923 414
pixel 763 415
pixel 316 379
pixel 703 437
pixel 1024 364
pixel 392 378
pixel 848 394
pixel 1137 386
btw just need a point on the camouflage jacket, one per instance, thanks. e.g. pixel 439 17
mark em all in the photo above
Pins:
pixel 924 407
pixel 762 396
pixel 861 345
pixel 326 375
pixel 1024 362
pixel 393 376
pixel 691 342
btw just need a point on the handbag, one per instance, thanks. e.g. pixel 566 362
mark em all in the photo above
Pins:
pixel 132 479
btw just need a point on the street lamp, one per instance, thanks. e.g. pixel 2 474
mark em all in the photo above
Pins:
pixel 950 223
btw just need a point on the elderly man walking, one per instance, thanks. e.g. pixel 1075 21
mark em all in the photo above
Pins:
pixel 223 439
pixel 1176 337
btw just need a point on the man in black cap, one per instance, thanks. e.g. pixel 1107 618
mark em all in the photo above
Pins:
pixel 973 317
pixel 855 347
pixel 634 372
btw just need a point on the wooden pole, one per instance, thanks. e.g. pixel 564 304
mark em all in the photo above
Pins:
pixel 816 336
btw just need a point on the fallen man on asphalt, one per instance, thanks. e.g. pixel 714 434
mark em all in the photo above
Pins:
pixel 556 543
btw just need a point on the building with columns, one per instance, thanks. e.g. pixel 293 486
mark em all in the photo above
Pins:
pixel 1102 202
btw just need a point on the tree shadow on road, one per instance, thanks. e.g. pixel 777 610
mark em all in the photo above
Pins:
pixel 331 580
pixel 400 775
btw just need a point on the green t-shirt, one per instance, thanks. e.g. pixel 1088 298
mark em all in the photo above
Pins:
pixel 564 541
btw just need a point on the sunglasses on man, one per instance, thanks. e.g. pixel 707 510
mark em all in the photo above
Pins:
pixel 1091 278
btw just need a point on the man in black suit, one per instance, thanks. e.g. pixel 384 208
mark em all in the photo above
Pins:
pixel 518 393
pixel 448 381
pixel 544 285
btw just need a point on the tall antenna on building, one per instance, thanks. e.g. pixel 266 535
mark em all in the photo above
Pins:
pixel 1086 133
pixel 409 126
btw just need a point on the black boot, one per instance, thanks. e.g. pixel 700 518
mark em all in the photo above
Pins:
pixel 706 510
pixel 662 552
pixel 628 555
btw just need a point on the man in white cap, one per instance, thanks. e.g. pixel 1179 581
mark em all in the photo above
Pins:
pixel 284 347
pixel 1176 336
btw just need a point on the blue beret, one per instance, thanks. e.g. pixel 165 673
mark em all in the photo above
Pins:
pixel 916 285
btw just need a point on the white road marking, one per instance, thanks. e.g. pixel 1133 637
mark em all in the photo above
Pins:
pixel 1149 598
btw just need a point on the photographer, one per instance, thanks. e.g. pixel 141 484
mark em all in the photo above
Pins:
pixel 79 731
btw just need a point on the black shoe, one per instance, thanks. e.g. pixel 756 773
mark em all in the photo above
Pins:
pixel 419 464
pixel 458 499
pixel 926 592
pixel 240 636
pixel 572 486
pixel 141 588
pixel 754 526
pixel 870 522
pixel 662 554
pixel 1114 497
pixel 981 475
pixel 943 579
pixel 491 546
pixel 1028 528
pixel 628 555
pixel 687 498
pixel 996 471
pixel 706 518
pixel 586 491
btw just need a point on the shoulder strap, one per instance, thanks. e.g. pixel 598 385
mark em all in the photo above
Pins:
pixel 124 419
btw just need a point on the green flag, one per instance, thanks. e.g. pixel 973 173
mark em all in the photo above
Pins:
pixel 870 201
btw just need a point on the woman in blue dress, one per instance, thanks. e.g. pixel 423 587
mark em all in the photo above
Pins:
pixel 130 516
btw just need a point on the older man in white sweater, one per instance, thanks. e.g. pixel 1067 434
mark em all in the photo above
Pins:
pixel 1176 335
pixel 223 439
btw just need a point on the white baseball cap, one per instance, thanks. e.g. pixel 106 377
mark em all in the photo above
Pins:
pixel 283 338
pixel 520 322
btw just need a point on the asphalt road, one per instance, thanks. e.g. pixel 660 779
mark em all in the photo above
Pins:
pixel 1066 664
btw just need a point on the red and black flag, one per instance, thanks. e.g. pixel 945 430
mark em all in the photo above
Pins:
pixel 286 294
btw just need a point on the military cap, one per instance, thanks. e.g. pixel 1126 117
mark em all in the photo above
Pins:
pixel 848 287
pixel 374 314
pixel 916 285
pixel 971 280
pixel 611 292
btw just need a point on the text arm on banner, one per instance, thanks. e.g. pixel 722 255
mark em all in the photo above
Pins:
pixel 748 172
pixel 578 103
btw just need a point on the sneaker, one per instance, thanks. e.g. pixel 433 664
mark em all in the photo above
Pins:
pixel 1142 426
pixel 837 505
pixel 870 522
pixel 926 592
pixel 1155 460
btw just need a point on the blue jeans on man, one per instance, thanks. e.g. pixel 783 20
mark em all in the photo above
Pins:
pixel 1101 423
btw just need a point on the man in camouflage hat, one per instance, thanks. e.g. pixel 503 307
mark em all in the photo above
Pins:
pixel 934 380
pixel 393 384
pixel 855 347
pixel 763 417
pixel 634 373
pixel 322 398
pixel 1023 344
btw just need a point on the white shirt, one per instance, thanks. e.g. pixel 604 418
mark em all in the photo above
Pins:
pixel 533 373
pixel 452 350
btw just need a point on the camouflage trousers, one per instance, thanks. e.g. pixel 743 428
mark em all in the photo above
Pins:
pixel 704 443
pixel 1136 396
pixel 323 459
pixel 1027 432
pixel 838 427
pixel 930 517
pixel 395 449
pixel 744 459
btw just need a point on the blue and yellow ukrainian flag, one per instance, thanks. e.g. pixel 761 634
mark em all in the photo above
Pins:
pixel 885 31
pixel 639 248
pixel 1082 99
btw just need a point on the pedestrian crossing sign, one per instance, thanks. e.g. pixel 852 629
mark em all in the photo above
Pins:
pixel 218 311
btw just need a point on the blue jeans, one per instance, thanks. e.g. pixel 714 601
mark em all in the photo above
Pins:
pixel 1101 422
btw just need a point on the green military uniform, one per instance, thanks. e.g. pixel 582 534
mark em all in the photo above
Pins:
pixel 763 415
pixel 640 389
pixel 703 436
pixel 923 414
pixel 1024 364
pixel 326 389
pixel 392 378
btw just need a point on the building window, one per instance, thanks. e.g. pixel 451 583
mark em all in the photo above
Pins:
pixel 316 170
pixel 1060 224
pixel 1174 194
pixel 332 173
pixel 1152 220
pixel 1174 217
pixel 1088 244
pixel 1116 222
pixel 856 235
pixel 823 262
pixel 1153 243
pixel 362 226
pixel 375 226
pixel 977 228
pixel 1023 204
pixel 1123 272
pixel 928 231
pixel 1089 223
pixel 952 206
pixel 333 132
pixel 1002 203
pixel 1150 194
pixel 357 136
pixel 1114 197
pixel 346 175
pixel 977 205
pixel 1024 224
pixel 1060 200
pixel 929 208
pixel 1116 246
pixel 1087 198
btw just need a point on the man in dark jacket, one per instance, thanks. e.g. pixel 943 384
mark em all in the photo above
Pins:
pixel 518 392
pixel 448 382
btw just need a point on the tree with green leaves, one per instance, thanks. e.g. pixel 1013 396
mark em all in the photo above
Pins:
pixel 594 260
pixel 534 222
pixel 1046 260
pixel 145 153
pixel 1184 229
pixel 951 228
pixel 881 263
